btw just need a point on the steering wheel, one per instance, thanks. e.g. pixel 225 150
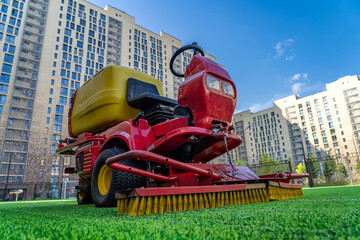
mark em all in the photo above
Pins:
pixel 197 49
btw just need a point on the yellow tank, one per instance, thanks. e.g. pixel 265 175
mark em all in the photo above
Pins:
pixel 101 102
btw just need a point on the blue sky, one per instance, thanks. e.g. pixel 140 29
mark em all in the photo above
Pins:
pixel 271 49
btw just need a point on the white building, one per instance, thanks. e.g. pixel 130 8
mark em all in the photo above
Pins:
pixel 324 123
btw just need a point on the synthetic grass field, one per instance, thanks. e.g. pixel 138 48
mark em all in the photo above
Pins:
pixel 324 213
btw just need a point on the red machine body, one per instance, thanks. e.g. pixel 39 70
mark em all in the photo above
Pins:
pixel 204 102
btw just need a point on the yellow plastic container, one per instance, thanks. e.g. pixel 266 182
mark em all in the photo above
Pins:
pixel 101 102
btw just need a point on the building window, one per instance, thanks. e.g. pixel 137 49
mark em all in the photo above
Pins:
pixel 59 109
pixel 6 68
pixel 2 99
pixel 58 119
pixel 54 170
pixel 4 9
pixel 57 128
pixel 63 91
pixel 62 100
pixel 3 88
pixel 8 58
pixel 4 78
pixel 10 39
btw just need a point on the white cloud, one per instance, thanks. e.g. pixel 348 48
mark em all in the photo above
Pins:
pixel 261 106
pixel 267 104
pixel 284 50
pixel 297 88
pixel 299 83
pixel 314 87
pixel 288 42
pixel 239 110
pixel 279 49
pixel 296 77
pixel 291 57
pixel 299 77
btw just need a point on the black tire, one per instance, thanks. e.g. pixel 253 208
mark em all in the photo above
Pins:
pixel 83 195
pixel 119 180
pixel 83 198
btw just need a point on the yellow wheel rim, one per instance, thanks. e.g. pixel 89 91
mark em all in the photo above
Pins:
pixel 80 196
pixel 104 180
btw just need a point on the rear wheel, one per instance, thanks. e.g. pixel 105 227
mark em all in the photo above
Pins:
pixel 105 181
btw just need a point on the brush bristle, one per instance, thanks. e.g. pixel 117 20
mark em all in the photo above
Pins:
pixel 278 193
pixel 171 203
pixel 161 204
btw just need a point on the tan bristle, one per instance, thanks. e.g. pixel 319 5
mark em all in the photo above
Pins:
pixel 180 203
pixel 156 204
pixel 162 204
pixel 191 203
pixel 206 200
pixel 278 193
pixel 148 206
pixel 168 204
pixel 196 202
pixel 185 205
pixel 213 200
pixel 172 203
pixel 201 202
pixel 142 206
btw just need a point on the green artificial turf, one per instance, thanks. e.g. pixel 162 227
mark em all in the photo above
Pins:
pixel 324 213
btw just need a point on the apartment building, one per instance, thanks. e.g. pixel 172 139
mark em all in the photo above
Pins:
pixel 324 123
pixel 264 132
pixel 50 48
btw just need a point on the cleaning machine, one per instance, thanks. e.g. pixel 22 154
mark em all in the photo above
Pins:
pixel 148 154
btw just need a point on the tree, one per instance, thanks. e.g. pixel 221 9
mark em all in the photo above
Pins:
pixel 300 168
pixel 269 166
pixel 314 165
pixel 342 170
pixel 47 187
pixel 329 167
pixel 241 162
pixel 357 167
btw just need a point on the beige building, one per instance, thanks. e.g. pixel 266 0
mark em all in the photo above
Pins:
pixel 50 48
pixel 264 132
pixel 324 123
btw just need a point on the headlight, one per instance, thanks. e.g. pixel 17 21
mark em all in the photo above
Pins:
pixel 212 83
pixel 228 89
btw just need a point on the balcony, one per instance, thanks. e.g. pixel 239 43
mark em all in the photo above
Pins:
pixel 33 39
pixel 20 104
pixel 23 84
pixel 23 94
pixel 19 115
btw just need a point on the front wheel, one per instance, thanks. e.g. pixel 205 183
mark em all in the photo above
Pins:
pixel 83 198
pixel 105 181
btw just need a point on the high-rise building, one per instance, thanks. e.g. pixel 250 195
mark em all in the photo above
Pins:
pixel 324 123
pixel 262 132
pixel 49 49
